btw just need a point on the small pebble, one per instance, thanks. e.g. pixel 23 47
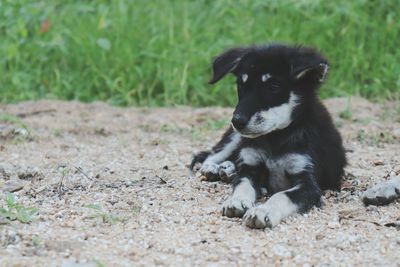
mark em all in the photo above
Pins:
pixel 379 162
pixel 334 225
pixel 13 185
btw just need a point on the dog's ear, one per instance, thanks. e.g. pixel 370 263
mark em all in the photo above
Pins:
pixel 226 62
pixel 309 66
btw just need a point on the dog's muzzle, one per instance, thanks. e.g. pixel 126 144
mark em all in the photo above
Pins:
pixel 239 121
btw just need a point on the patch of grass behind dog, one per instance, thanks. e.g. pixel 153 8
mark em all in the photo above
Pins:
pixel 160 52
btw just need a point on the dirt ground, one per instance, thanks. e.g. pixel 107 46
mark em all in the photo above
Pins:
pixel 111 187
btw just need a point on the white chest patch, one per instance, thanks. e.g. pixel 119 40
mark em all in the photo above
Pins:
pixel 292 163
pixel 251 156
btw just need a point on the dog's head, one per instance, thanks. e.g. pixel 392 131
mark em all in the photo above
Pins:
pixel 271 81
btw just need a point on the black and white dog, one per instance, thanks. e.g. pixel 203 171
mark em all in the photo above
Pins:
pixel 281 138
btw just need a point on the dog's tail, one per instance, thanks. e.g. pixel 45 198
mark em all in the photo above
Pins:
pixel 199 158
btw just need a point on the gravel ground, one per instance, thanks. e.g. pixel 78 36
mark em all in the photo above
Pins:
pixel 112 189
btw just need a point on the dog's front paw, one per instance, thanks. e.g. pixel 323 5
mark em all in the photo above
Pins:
pixel 261 217
pixel 382 194
pixel 210 171
pixel 226 171
pixel 236 207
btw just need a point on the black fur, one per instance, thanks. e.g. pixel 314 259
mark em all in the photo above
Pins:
pixel 199 158
pixel 290 71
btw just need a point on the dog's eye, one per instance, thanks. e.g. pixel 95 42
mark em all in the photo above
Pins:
pixel 244 77
pixel 265 77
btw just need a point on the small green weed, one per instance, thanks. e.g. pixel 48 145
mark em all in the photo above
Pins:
pixel 376 139
pixel 21 132
pixel 15 211
pixel 347 114
pixel 57 132
pixel 167 128
pixel 216 124
pixel 36 240
pixel 9 118
pixel 196 132
pixel 209 125
pixel 136 210
pixel 102 216
pixel 99 263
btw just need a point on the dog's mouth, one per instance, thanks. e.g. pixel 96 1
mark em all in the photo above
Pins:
pixel 246 133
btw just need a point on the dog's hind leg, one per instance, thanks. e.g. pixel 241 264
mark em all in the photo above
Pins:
pixel 220 153
pixel 298 199
pixel 301 197
pixel 384 193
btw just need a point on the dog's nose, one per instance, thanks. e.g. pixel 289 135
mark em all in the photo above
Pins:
pixel 239 122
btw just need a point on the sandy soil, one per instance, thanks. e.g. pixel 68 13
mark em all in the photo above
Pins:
pixel 112 189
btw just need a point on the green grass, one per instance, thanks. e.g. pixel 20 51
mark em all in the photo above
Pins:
pixel 159 52
pixel 21 133
pixel 12 119
pixel 102 216
pixel 14 211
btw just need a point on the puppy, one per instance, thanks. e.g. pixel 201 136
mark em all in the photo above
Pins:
pixel 281 138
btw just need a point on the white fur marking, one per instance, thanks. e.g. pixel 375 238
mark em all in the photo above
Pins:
pixel 235 63
pixel 270 213
pixel 245 77
pixel 250 156
pixel 265 77
pixel 245 190
pixel 324 67
pixel 279 206
pixel 225 152
pixel 295 163
pixel 324 71
pixel 226 170
pixel 301 74
pixel 272 119
pixel 243 198
pixel 292 163
pixel 209 167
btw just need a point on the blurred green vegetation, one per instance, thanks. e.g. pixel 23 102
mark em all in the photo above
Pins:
pixel 159 52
